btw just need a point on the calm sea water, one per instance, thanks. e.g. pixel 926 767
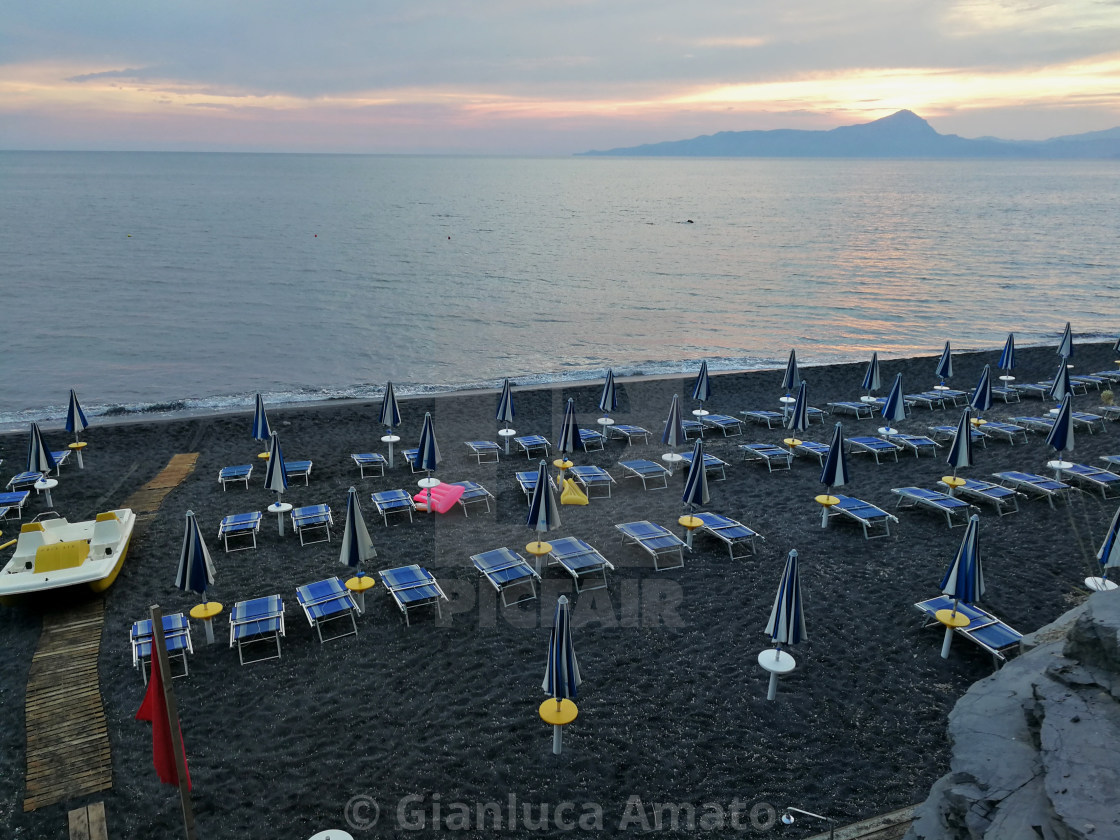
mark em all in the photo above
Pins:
pixel 191 281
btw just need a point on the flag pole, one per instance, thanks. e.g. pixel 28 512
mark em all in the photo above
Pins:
pixel 159 652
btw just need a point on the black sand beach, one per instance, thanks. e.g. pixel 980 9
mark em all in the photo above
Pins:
pixel 672 706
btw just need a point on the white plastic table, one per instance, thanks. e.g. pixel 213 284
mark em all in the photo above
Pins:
pixel 280 508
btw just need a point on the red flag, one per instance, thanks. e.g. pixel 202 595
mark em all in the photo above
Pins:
pixel 154 709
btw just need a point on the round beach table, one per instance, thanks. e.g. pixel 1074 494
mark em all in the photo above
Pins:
pixel 77 447
pixel 206 613
pixel 358 585
pixel 280 508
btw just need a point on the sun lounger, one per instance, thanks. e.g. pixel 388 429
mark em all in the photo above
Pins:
pixel 1004 499
pixel 581 561
pixel 473 493
pixel 731 532
pixel 412 587
pixel 506 570
pixel 730 426
pixel 947 433
pixel 527 481
pixel 647 471
pixel 814 413
pixel 934 500
pixel 591 440
pixel 811 449
pixel 875 446
pixel 866 514
pixel 24 480
pixel 712 464
pixel 1110 412
pixel 1033 389
pixel 13 503
pixel 1086 422
pixel 692 428
pixel 311 517
pixel 1003 431
pixel 774 457
pixel 393 501
pixel 927 399
pixel 1093 478
pixel 983 629
pixel 1111 459
pixel 370 461
pixel 862 410
pixel 325 601
pixel 916 443
pixel 241 472
pixel 631 433
pixel 176 638
pixel 761 416
pixel 656 540
pixel 298 469
pixel 484 450
pixel 952 395
pixel 1109 375
pixel 240 525
pixel 1089 380
pixel 590 478
pixel 256 621
pixel 1075 387
pixel 1038 486
pixel 533 443
pixel 1006 393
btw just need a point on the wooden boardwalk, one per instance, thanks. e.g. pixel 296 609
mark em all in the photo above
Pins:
pixel 67 739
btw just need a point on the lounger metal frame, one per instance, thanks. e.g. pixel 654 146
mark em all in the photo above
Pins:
pixel 255 621
pixel 505 569
pixel 1040 486
pixel 310 517
pixel 241 472
pixel 862 410
pixel 412 587
pixel 369 461
pixel 769 454
pixel 393 501
pixel 473 493
pixel 761 415
pixel 656 540
pixel 580 560
pixel 533 443
pixel 730 532
pixel 865 513
pixel 590 477
pixel 325 601
pixel 647 471
pixel 630 433
pixel 484 451
pixel 1004 499
pixel 873 446
pixel 240 525
pixel 1093 478
pixel 910 498
pixel 730 426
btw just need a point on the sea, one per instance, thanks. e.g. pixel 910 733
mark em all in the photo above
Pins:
pixel 161 284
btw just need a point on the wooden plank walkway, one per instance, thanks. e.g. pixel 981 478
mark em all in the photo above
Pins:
pixel 67 738
pixel 889 826
pixel 88 823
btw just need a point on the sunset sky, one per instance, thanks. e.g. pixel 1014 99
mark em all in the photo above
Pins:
pixel 541 76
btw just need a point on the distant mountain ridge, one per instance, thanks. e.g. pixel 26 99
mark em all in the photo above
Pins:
pixel 901 135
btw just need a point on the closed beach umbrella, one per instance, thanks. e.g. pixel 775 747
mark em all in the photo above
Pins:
pixel 798 420
pixel 544 513
pixel 894 409
pixel 1061 387
pixel 871 382
pixel 196 569
pixel 945 364
pixel 674 426
pixel 982 396
pixel 1060 436
pixel 696 483
pixel 1007 357
pixel 261 431
pixel 1116 346
pixel 76 421
pixel 702 389
pixel 505 405
pixel 608 400
pixel 569 438
pixel 792 376
pixel 357 547
pixel 390 414
pixel 835 471
pixel 1065 346
pixel 1109 555
pixel 960 452
pixel 964 581
pixel 39 458
pixel 787 620
pixel 561 670
pixel 276 476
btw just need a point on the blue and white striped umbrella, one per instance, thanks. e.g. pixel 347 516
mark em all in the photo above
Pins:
pixel 390 414
pixel 561 671
pixel 894 409
pixel 505 405
pixel 945 364
pixel 76 421
pixel 1116 346
pixel 798 419
pixel 964 581
pixel 835 470
pixel 960 452
pixel 427 454
pixel 1061 387
pixel 702 389
pixel 196 569
pixel 674 425
pixel 696 484
pixel 261 431
pixel 608 400
pixel 1109 553
pixel 1061 433
pixel 792 376
pixel 871 382
pixel 569 440
pixel 982 396
pixel 787 617
pixel 1065 346
pixel 1007 357
pixel 39 457
pixel 544 513
pixel 276 476
pixel 357 547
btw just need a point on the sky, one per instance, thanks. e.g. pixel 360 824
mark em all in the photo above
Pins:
pixel 541 77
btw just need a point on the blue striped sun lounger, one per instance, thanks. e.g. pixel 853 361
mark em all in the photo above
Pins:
pixel 866 514
pixel 656 540
pixel 630 433
pixel 484 450
pixel 926 399
pixel 298 469
pixel 936 501
pixel 952 395
pixel 1006 393
pixel 811 449
pixel 1076 388
pixel 393 501
pixel 591 440
pixel 412 587
pixel 592 478
pixel 1093 478
pixel 527 481
pixel 13 502
pixel 1110 412
pixel 23 480
pixel 1033 389
pixel 692 428
pixel 176 640
pixel 1003 431
pixel 533 443
pixel 1109 459
pixel 581 561
pixel 862 410
pixel 873 445
pixel 1081 420
pixel 949 432
pixel 242 472
pixel 473 493
pixel 712 465
pixel 764 417
pixel 505 570
pixel 773 456
pixel 310 518
pixel 1004 499
pixel 1089 380
pixel 647 471
pixel 1110 375
pixel 370 461
pixel 325 601
pixel 983 628
pixel 240 525
pixel 1038 486
pixel 916 443
pixel 730 426
pixel 256 621
pixel 729 531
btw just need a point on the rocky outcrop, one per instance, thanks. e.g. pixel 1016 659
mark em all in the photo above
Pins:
pixel 1036 746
